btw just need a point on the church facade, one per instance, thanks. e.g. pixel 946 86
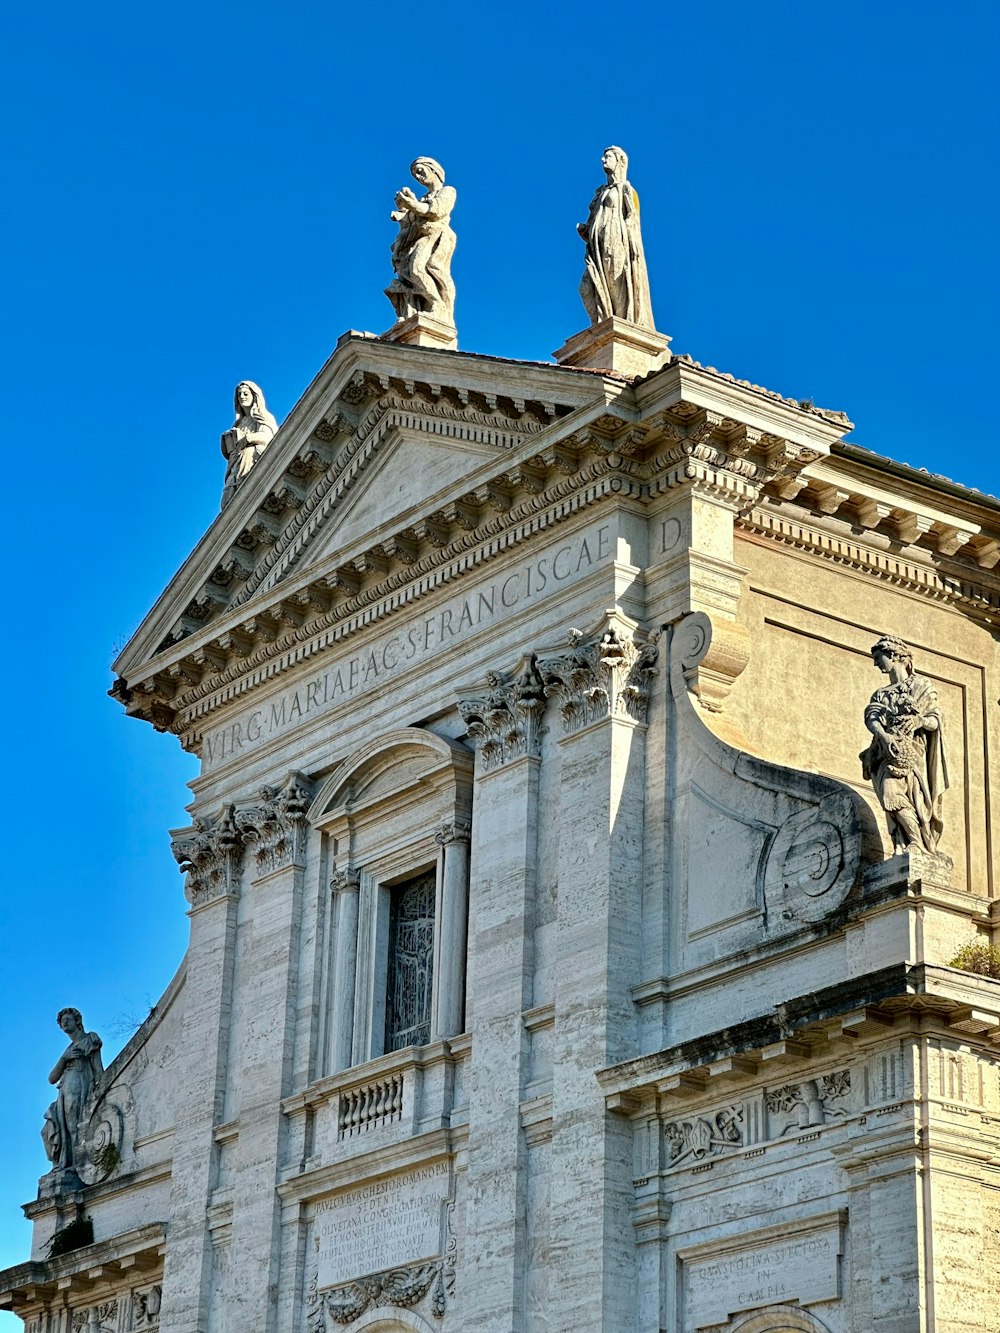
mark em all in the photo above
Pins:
pixel 555 961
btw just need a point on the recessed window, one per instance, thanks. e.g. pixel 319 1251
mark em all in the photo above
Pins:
pixel 411 963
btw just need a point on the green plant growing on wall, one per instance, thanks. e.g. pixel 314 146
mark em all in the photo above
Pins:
pixel 72 1237
pixel 980 958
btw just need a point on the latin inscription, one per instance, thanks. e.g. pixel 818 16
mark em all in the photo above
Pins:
pixel 800 1267
pixel 415 640
pixel 383 1225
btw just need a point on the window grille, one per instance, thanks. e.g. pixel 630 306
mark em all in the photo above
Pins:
pixel 411 963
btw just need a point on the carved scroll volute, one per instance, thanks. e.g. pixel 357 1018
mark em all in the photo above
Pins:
pixel 710 655
pixel 505 723
pixel 275 825
pixel 605 674
pixel 209 854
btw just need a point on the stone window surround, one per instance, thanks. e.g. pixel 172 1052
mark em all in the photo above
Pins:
pixel 397 808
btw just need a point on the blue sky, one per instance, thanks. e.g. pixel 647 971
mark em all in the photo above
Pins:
pixel 200 193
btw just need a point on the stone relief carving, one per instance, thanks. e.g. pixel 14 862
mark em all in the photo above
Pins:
pixel 146 1307
pixel 98 1317
pixel 209 854
pixel 402 1287
pixel 601 677
pixel 906 760
pixel 789 1106
pixel 506 723
pixel 615 283
pixel 275 825
pixel 424 245
pixel 248 436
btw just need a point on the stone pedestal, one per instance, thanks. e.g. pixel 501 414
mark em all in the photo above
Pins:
pixel 616 344
pixel 422 331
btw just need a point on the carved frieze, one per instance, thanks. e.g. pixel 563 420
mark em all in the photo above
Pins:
pixel 274 826
pixel 505 723
pixel 145 1307
pixel 209 855
pixel 606 675
pixel 757 1118
pixel 101 1318
pixel 403 1287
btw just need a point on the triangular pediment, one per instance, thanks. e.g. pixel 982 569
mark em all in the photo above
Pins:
pixel 384 438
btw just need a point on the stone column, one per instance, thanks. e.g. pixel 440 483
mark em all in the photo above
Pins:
pixel 274 829
pixel 504 725
pixel 449 989
pixel 210 853
pixel 601 688
pixel 346 886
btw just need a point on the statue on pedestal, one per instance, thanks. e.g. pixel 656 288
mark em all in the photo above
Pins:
pixel 248 436
pixel 906 760
pixel 76 1074
pixel 422 250
pixel 615 283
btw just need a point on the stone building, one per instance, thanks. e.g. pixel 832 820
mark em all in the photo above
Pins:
pixel 553 965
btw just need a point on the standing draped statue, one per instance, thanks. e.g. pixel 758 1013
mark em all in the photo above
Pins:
pixel 76 1073
pixel 424 245
pixel 614 280
pixel 248 436
pixel 906 760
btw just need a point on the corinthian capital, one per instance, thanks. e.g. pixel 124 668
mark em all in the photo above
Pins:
pixel 505 722
pixel 274 825
pixel 208 853
pixel 454 830
pixel 604 675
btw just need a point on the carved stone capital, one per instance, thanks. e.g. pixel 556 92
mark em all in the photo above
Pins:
pixel 605 675
pixel 209 853
pixel 505 723
pixel 453 831
pixel 345 881
pixel 275 824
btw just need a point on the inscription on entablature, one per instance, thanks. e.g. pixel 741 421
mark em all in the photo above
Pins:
pixel 387 1224
pixel 417 638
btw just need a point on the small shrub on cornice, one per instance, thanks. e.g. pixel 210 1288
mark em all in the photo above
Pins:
pixel 979 957
pixel 72 1237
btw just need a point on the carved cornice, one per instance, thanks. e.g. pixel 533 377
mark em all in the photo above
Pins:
pixel 505 723
pixel 209 854
pixel 605 675
pixel 275 825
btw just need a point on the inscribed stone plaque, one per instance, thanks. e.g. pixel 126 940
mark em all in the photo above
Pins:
pixel 382 1225
pixel 771 1267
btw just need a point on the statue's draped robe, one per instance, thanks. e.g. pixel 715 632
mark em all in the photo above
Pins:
pixel 81 1069
pixel 421 259
pixel 615 280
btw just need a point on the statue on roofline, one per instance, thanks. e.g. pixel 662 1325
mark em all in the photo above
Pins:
pixel 424 245
pixel 615 283
pixel 76 1073
pixel 906 758
pixel 248 436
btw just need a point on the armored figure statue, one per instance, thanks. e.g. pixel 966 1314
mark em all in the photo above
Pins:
pixel 614 279
pixel 76 1073
pixel 424 245
pixel 906 758
pixel 248 436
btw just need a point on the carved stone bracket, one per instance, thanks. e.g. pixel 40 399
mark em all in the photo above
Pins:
pixel 454 830
pixel 607 675
pixel 343 880
pixel 275 825
pixel 505 723
pixel 209 854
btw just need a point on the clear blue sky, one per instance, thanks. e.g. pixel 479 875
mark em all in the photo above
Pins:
pixel 199 193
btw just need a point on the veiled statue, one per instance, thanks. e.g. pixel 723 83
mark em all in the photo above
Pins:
pixel 248 436
pixel 906 758
pixel 424 245
pixel 614 279
pixel 76 1074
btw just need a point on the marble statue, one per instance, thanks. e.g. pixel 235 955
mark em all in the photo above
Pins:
pixel 424 245
pixel 248 436
pixel 906 759
pixel 76 1073
pixel 614 279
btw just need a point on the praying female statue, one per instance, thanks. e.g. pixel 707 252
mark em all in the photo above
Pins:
pixel 424 245
pixel 614 280
pixel 905 760
pixel 76 1073
pixel 248 436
